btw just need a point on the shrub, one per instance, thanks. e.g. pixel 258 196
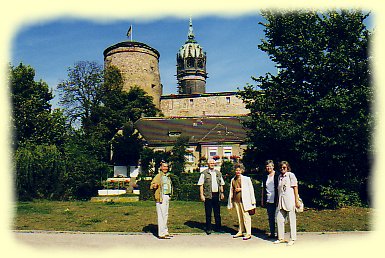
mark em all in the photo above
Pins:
pixel 328 197
pixel 145 192
pixel 38 171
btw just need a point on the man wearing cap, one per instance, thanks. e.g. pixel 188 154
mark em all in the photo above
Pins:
pixel 211 192
pixel 163 191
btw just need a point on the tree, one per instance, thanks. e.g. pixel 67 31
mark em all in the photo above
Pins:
pixel 118 112
pixel 84 169
pixel 120 107
pixel 82 92
pixel 315 112
pixel 31 110
pixel 94 97
pixel 178 155
pixel 127 146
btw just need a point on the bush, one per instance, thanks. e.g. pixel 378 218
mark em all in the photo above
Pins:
pixel 145 192
pixel 81 179
pixel 185 188
pixel 328 197
pixel 38 171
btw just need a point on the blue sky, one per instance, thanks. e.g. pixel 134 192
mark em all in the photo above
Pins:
pixel 231 44
pixel 52 46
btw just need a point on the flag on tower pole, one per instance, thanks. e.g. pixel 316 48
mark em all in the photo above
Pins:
pixel 129 32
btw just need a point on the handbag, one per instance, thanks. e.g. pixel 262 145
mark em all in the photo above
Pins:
pixel 251 212
pixel 301 205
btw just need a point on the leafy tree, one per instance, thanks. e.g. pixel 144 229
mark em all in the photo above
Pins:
pixel 84 169
pixel 120 110
pixel 82 92
pixel 127 146
pixel 31 109
pixel 150 158
pixel 315 112
pixel 39 136
pixel 178 155
pixel 120 107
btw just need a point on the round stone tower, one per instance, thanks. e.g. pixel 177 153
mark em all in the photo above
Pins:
pixel 191 66
pixel 139 65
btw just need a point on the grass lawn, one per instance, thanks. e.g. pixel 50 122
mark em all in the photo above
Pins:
pixel 184 217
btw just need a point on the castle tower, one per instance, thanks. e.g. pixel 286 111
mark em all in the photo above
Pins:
pixel 191 66
pixel 139 65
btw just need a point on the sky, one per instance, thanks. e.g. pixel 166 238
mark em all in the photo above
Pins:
pixel 231 45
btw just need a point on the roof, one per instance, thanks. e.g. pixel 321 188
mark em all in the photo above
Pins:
pixel 130 44
pixel 200 130
pixel 197 95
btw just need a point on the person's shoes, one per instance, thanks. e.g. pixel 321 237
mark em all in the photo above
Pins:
pixel 208 232
pixel 247 237
pixel 279 241
pixel 238 235
pixel 271 236
pixel 164 237
pixel 168 235
pixel 291 242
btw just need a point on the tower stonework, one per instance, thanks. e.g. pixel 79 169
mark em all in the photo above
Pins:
pixel 191 66
pixel 139 65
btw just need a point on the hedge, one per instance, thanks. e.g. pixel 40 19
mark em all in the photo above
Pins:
pixel 185 188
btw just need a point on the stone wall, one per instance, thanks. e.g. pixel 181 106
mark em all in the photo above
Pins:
pixel 214 104
pixel 139 65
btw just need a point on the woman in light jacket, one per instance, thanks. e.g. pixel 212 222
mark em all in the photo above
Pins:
pixel 242 196
pixel 288 200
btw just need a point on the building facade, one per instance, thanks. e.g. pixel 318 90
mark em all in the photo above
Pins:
pixel 211 121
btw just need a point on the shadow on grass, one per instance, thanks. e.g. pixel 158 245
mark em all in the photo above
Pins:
pixel 151 228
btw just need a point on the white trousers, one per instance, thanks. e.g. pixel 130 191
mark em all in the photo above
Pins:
pixel 281 217
pixel 162 212
pixel 244 219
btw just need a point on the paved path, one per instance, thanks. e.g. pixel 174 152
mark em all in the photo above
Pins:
pixel 147 241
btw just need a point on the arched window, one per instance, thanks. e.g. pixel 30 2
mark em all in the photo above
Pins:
pixel 200 63
pixel 190 62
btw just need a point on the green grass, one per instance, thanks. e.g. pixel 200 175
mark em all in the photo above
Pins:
pixel 187 217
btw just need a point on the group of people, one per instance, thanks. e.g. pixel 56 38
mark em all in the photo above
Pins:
pixel 279 197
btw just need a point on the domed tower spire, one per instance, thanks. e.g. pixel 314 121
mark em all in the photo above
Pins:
pixel 191 36
pixel 191 66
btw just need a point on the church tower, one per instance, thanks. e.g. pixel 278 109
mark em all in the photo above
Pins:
pixel 191 66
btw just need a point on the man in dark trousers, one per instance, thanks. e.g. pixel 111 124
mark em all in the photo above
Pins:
pixel 211 192
pixel 269 195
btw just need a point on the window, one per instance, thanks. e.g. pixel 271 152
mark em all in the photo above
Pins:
pixel 227 151
pixel 190 62
pixel 174 134
pixel 212 152
pixel 200 63
pixel 228 100
pixel 190 155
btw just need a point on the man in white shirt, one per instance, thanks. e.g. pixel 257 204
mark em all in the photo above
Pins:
pixel 269 195
pixel 211 192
